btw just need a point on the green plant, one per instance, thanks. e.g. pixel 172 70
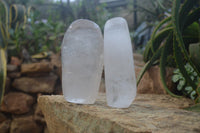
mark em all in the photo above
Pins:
pixel 10 18
pixel 37 36
pixel 183 86
pixel 13 20
pixel 3 73
pixel 43 35
pixel 194 50
pixel 170 42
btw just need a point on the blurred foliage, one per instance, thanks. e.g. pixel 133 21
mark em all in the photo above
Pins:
pixel 156 10
pixel 41 28
pixel 150 14
pixel 87 9
pixel 194 108
pixel 38 36
pixel 26 2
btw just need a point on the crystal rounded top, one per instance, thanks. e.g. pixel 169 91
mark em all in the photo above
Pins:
pixel 115 22
pixel 83 23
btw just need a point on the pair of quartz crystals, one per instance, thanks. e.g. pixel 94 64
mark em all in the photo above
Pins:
pixel 84 52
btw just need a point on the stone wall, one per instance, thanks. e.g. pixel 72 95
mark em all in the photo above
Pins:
pixel 19 112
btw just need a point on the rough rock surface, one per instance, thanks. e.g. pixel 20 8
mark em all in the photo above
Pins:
pixel 38 115
pixel 4 126
pixel 46 130
pixel 36 68
pixel 12 68
pixel 8 81
pixel 56 59
pixel 36 84
pixel 138 60
pixel 15 61
pixel 14 74
pixel 17 103
pixel 151 81
pixel 138 57
pixel 158 115
pixel 56 62
pixel 25 125
pixel 2 117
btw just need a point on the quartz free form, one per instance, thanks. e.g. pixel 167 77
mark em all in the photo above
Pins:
pixel 82 62
pixel 118 62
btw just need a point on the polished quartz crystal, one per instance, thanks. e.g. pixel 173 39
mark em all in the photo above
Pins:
pixel 82 62
pixel 118 62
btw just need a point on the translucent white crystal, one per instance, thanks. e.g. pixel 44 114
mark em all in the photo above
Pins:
pixel 82 62
pixel 118 62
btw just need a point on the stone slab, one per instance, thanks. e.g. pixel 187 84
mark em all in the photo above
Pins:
pixel 148 113
pixel 43 84
pixel 17 103
pixel 40 67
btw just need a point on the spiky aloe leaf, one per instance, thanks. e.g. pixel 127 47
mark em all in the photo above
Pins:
pixel 180 63
pixel 2 35
pixel 191 34
pixel 29 12
pixel 194 50
pixel 17 14
pixel 164 21
pixel 166 51
pixel 161 5
pixel 147 52
pixel 2 73
pixel 192 17
pixel 4 23
pixel 158 39
pixel 185 9
pixel 149 64
pixel 178 35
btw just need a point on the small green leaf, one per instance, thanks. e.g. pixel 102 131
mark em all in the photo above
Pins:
pixel 192 77
pixel 175 78
pixel 194 73
pixel 52 38
pixel 188 89
pixel 177 71
pixel 182 82
pixel 192 95
pixel 179 87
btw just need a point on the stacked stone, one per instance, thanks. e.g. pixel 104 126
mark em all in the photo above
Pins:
pixel 19 112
